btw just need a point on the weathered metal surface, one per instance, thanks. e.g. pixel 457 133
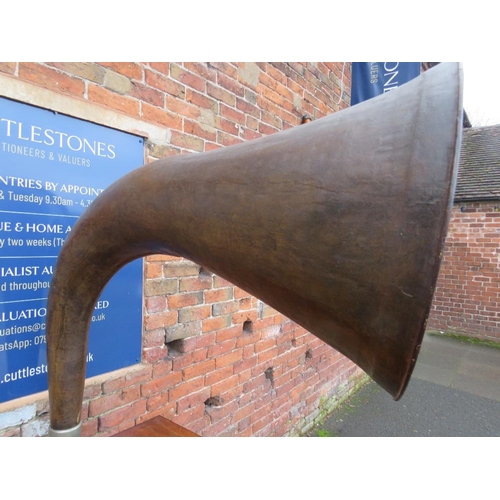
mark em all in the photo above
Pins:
pixel 338 224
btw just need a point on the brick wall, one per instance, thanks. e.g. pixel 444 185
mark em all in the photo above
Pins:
pixel 467 298
pixel 215 359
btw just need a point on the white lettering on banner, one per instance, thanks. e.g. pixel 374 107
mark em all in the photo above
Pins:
pixel 23 150
pixel 23 314
pixel 85 190
pixel 19 271
pixel 34 285
pixel 392 73
pixel 10 181
pixel 27 198
pixel 24 373
pixel 17 330
pixel 54 138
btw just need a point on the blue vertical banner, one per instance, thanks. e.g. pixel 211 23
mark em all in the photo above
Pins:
pixel 52 167
pixel 370 79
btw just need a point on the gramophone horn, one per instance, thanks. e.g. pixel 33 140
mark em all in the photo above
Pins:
pixel 338 225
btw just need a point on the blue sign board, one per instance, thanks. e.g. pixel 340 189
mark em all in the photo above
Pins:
pixel 52 167
pixel 370 79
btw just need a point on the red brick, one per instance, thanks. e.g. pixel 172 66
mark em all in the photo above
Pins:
pixel 227 307
pixel 189 142
pixel 224 67
pixel 218 295
pixel 180 268
pixel 179 361
pixel 194 343
pixel 193 399
pixel 271 119
pixel 159 401
pixel 198 283
pixel 88 71
pixel 218 375
pixel 202 69
pixel 187 78
pixel 212 324
pixel 115 400
pixel 198 369
pixel 228 359
pixel 221 428
pixel 278 72
pixel 227 126
pixel 227 140
pixel 248 316
pixel 250 135
pixel 161 116
pixel 230 84
pixel 109 99
pixel 228 333
pixel 221 94
pixel 131 378
pixel 154 354
pixel 248 108
pixel 182 108
pixel 194 313
pixel 154 338
pixel 182 331
pixel 210 146
pixel 187 387
pixel 262 412
pixel 225 385
pixel 201 101
pixel 221 347
pixel 158 320
pixel 91 391
pixel 161 369
pixel 265 344
pixel 244 412
pixel 244 364
pixel 155 304
pixel 221 282
pixel 252 123
pixel 154 270
pixel 121 415
pixel 218 413
pixel 185 299
pixel 165 84
pixel 266 129
pixel 262 426
pixel 274 85
pixel 147 94
pixel 51 79
pixel 161 384
pixel 132 70
pixel 190 416
pixel 8 67
pixel 199 130
pixel 89 427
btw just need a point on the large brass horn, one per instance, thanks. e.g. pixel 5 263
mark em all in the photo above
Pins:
pixel 338 224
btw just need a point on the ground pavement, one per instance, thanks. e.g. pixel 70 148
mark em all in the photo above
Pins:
pixel 454 391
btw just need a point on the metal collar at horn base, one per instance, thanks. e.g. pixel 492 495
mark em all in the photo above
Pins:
pixel 73 432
